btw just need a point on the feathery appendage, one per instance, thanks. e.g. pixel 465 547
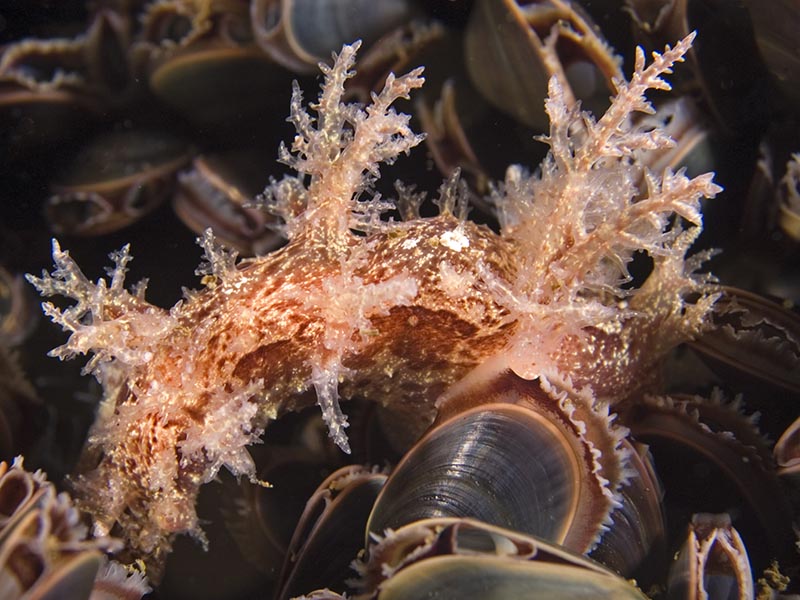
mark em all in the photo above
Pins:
pixel 579 222
pixel 107 320
pixel 337 155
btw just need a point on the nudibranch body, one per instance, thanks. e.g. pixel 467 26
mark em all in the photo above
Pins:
pixel 395 311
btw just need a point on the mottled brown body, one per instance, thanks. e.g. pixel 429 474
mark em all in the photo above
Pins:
pixel 253 327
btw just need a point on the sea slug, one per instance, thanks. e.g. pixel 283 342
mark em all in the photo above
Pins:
pixel 396 311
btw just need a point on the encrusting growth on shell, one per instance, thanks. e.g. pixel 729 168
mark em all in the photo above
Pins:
pixel 395 311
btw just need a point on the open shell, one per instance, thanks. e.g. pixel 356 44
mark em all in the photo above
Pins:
pixel 44 553
pixel 756 336
pixel 115 180
pixel 512 48
pixel 464 558
pixel 472 465
pixel 328 536
pixel 216 192
pixel 715 431
pixel 712 563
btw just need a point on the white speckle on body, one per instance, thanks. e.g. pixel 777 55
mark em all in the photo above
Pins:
pixel 454 239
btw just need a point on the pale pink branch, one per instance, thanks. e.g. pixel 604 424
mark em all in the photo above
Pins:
pixel 605 136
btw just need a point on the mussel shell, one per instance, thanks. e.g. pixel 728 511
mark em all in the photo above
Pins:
pixel 511 57
pixel 17 313
pixel 321 26
pixel 38 120
pixel 106 52
pixel 418 543
pixel 115 180
pixel 73 578
pixel 756 336
pixel 775 25
pixel 28 570
pixel 46 94
pixel 787 450
pixel 328 535
pixel 635 545
pixel 117 158
pixel 300 33
pixel 20 492
pixel 501 464
pixel 789 207
pixel 261 520
pixel 43 550
pixel 272 36
pixel 587 439
pixel 700 430
pixel 216 193
pixel 168 24
pixel 789 221
pixel 218 84
pixel 458 577
pixel 724 60
pixel 712 563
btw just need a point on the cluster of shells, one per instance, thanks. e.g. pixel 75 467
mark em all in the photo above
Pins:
pixel 182 102
pixel 44 550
